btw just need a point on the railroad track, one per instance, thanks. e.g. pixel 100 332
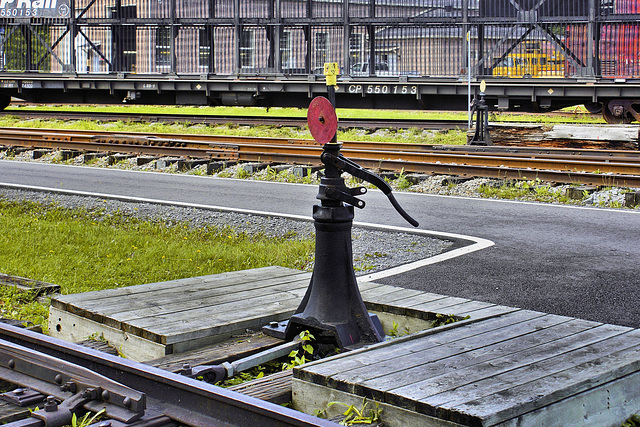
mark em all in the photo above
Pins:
pixel 594 167
pixel 131 393
pixel 236 120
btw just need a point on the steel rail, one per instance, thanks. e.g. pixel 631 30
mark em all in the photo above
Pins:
pixel 309 154
pixel 619 168
pixel 187 401
pixel 201 141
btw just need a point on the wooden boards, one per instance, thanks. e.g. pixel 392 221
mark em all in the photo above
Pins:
pixel 149 321
pixel 521 368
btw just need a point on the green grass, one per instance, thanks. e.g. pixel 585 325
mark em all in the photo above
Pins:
pixel 84 251
pixel 526 190
pixel 401 135
pixel 577 113
pixel 453 137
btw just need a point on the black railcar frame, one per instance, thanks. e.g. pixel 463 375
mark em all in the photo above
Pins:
pixel 402 54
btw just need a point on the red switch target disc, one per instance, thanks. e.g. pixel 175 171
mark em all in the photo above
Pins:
pixel 322 120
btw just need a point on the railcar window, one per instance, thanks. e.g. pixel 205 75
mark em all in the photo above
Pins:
pixel 286 55
pixel 321 48
pixel 204 49
pixel 247 48
pixel 356 49
pixel 163 47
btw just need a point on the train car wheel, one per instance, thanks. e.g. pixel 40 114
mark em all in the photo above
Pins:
pixel 612 119
pixel 593 107
pixel 4 101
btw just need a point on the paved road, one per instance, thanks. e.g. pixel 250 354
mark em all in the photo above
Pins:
pixel 571 261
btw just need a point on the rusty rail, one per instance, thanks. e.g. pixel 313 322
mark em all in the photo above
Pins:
pixel 595 167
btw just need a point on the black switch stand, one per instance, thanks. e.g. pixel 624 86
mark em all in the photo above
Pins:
pixel 332 305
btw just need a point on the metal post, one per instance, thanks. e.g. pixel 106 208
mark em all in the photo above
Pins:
pixel 469 78
pixel 173 36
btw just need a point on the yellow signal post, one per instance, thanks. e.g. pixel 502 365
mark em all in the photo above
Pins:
pixel 331 71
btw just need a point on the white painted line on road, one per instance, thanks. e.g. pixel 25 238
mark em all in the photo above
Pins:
pixel 478 243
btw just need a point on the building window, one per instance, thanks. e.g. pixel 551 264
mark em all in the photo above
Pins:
pixel 204 50
pixel 247 48
pixel 321 49
pixel 163 47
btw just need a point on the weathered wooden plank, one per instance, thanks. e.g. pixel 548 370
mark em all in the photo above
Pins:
pixel 398 297
pixel 498 375
pixel 369 286
pixel 458 310
pixel 403 371
pixel 274 388
pixel 450 372
pixel 200 324
pixel 214 303
pixel 70 327
pixel 179 313
pixel 171 285
pixel 423 299
pixel 229 308
pixel 318 372
pixel 24 284
pixel 563 136
pixel 535 386
pixel 378 291
pixel 491 311
pixel 399 306
pixel 199 289
pixel 229 350
pixel 607 405
pixel 309 397
pixel 10 412
pixel 187 294
pixel 462 309
pixel 438 306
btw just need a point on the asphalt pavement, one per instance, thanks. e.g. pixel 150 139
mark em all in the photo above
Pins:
pixel 578 262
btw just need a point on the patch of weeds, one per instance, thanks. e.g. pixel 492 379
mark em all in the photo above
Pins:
pixel 97 337
pixel 302 356
pixel 376 254
pixel 198 171
pixel 632 421
pixel 87 419
pixel 402 183
pixel 242 173
pixel 251 374
pixel 354 415
pixel 360 268
pixel 24 306
pixel 395 333
pixel 532 190
pixel 225 173
pixel 446 319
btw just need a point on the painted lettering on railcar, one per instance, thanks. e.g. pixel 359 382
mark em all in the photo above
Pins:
pixel 392 89
pixel 35 9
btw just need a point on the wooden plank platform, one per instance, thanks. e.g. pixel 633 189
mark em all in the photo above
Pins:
pixel 150 321
pixel 522 368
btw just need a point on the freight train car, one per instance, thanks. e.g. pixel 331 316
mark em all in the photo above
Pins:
pixel 535 55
